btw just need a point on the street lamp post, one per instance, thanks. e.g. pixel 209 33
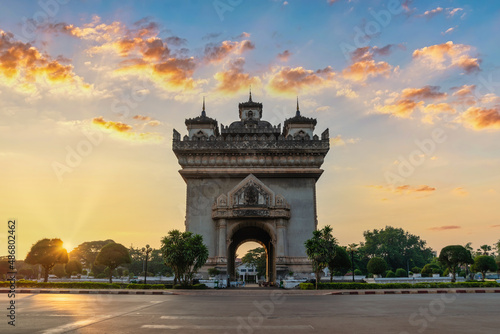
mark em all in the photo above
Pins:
pixel 352 249
pixel 146 250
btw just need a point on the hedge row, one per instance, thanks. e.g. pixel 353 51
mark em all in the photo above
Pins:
pixel 97 285
pixel 149 286
pixel 365 286
pixel 63 285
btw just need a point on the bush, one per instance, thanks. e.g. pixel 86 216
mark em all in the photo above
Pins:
pixel 358 272
pixel 101 275
pixel 146 286
pixel 307 286
pixel 194 286
pixel 377 266
pixel 63 285
pixel 84 272
pixel 400 272
pixel 390 274
pixel 416 270
pixel 375 286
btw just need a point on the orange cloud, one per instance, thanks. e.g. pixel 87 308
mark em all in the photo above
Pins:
pixel 464 90
pixel 432 110
pixel 124 131
pixel 481 118
pixel 292 80
pixel 284 55
pixel 23 61
pixel 446 55
pixel 339 141
pixel 217 53
pixel 445 227
pixel 234 79
pixel 426 92
pixel 364 66
pixel 115 126
pixel 142 118
pixel 405 189
pixel 401 108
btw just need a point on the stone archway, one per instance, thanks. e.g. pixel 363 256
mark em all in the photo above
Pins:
pixel 251 231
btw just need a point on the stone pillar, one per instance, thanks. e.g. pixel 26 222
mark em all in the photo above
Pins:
pixel 281 243
pixel 222 247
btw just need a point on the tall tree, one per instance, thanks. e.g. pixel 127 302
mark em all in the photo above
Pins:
pixel 47 252
pixel 185 253
pixel 320 250
pixel 453 256
pixel 397 247
pixel 340 262
pixel 484 250
pixel 256 257
pixel 73 266
pixel 483 264
pixel 87 252
pixel 112 255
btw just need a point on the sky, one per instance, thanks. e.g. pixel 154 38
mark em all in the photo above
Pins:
pixel 90 92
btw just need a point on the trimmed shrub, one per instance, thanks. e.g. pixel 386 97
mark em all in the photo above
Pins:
pixel 390 274
pixel 358 272
pixel 145 286
pixel 416 270
pixel 377 266
pixel 307 286
pixel 400 272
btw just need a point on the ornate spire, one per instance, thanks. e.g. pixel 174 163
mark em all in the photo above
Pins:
pixel 203 113
pixel 298 111
pixel 250 97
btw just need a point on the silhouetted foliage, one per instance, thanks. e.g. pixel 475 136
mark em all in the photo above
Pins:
pixel 47 253
pixel 112 255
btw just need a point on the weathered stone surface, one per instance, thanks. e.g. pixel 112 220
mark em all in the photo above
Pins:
pixel 251 182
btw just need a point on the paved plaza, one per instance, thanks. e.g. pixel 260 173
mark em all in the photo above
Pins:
pixel 254 311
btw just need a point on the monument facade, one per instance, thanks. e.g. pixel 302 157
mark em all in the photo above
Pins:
pixel 252 181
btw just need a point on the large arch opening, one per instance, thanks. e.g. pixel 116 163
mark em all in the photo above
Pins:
pixel 256 233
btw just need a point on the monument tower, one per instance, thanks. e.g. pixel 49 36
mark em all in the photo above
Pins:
pixel 252 181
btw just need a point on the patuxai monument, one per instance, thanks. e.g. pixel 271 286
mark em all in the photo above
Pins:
pixel 252 181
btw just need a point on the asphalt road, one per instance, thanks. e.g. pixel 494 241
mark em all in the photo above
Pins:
pixel 258 311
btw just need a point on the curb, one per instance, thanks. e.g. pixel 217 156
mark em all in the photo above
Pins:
pixel 91 292
pixel 413 292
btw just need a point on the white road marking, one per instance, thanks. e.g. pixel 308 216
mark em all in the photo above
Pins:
pixel 202 327
pixel 73 325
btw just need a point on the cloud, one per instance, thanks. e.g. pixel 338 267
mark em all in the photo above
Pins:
pixel 364 66
pixel 460 191
pixel 284 55
pixel 142 118
pixel 445 227
pixel 234 79
pixel 426 92
pixel 339 141
pixel 125 131
pixel 401 108
pixel 495 226
pixel 432 111
pixel 405 189
pixel 143 52
pixel 24 63
pixel 447 55
pixel 217 53
pixel 450 12
pixel 431 13
pixel 481 118
pixel 464 90
pixel 449 30
pixel 287 80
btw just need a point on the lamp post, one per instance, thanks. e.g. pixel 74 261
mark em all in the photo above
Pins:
pixel 352 249
pixel 146 250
